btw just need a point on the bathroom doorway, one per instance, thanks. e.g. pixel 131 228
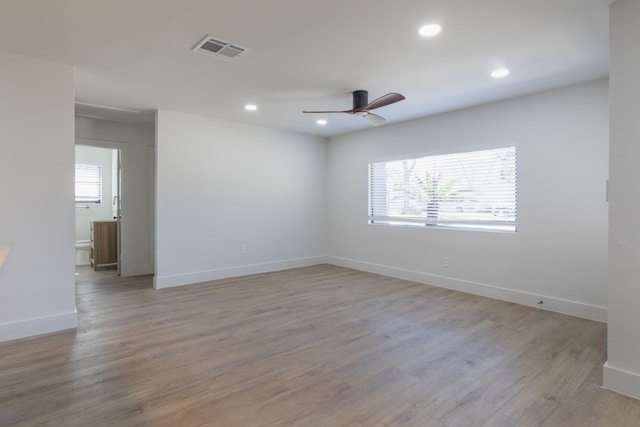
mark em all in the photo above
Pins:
pixel 135 142
pixel 98 195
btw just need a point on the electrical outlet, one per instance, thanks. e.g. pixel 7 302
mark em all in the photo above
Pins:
pixel 445 262
pixel 243 250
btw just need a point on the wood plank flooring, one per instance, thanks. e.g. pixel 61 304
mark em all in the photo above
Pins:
pixel 317 346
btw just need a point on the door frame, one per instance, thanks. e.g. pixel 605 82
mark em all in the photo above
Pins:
pixel 123 203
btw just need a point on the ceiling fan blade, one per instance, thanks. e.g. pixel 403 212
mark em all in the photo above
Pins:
pixel 387 99
pixel 323 112
pixel 375 119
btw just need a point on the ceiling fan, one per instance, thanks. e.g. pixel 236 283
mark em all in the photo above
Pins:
pixel 361 105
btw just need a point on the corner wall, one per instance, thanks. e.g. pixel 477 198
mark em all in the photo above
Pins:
pixel 224 188
pixel 559 253
pixel 37 280
pixel 622 371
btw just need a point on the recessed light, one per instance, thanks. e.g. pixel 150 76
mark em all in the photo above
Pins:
pixel 321 122
pixel 430 30
pixel 251 107
pixel 499 73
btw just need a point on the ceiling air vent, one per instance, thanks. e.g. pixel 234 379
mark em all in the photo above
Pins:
pixel 220 49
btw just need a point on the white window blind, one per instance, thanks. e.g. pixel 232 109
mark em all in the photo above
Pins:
pixel 88 183
pixel 470 190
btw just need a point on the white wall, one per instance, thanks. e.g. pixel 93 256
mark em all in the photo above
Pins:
pixel 37 282
pixel 137 143
pixel 221 185
pixel 559 253
pixel 622 370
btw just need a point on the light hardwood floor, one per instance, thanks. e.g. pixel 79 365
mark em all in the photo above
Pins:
pixel 317 346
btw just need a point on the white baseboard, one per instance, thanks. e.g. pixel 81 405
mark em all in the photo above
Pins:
pixel 42 325
pixel 227 272
pixel 621 381
pixel 572 308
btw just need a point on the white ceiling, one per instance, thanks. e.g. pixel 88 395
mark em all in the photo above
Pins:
pixel 136 54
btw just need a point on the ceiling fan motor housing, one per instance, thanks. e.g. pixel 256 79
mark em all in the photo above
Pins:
pixel 360 99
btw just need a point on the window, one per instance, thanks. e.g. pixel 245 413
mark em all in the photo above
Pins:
pixel 472 190
pixel 88 183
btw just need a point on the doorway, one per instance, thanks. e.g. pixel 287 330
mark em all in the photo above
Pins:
pixel 98 198
pixel 136 203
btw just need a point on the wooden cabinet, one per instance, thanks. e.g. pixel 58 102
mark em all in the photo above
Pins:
pixel 104 244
